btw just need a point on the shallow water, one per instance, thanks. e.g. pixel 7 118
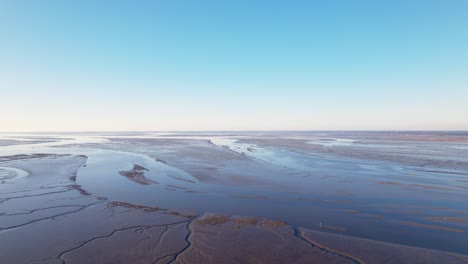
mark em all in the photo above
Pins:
pixel 384 189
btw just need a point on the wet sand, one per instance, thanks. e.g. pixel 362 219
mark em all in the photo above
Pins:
pixel 171 185
pixel 91 229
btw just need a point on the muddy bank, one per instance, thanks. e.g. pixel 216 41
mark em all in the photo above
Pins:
pixel 137 174
pixel 82 227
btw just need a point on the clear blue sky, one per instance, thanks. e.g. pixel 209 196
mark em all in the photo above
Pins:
pixel 233 65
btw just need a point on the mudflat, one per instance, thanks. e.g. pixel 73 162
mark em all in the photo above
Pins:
pixel 247 197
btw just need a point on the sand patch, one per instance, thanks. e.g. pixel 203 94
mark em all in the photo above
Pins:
pixel 443 228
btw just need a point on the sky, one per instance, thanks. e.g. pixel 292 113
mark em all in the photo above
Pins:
pixel 167 65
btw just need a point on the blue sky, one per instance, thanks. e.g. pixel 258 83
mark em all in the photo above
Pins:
pixel 233 65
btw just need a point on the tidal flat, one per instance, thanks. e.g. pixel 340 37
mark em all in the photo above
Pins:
pixel 234 197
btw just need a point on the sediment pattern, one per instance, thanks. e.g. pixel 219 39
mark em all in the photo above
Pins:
pixel 46 216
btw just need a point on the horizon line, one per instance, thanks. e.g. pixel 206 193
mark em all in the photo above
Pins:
pixel 269 130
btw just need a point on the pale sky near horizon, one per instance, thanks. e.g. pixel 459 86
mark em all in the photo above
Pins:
pixel 233 65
